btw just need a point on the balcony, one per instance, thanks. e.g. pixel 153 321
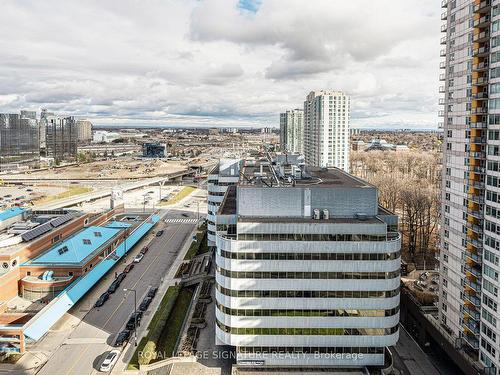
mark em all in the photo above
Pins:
pixel 482 7
pixel 442 53
pixel 473 271
pixel 444 4
pixel 476 169
pixel 478 125
pixel 443 40
pixel 472 341
pixel 478 154
pixel 473 313
pixel 475 213
pixel 478 185
pixel 442 89
pixel 442 65
pixel 481 66
pixel 480 96
pixel 441 113
pixel 440 125
pixel 471 326
pixel 481 22
pixel 480 81
pixel 444 16
pixel 481 37
pixel 474 257
pixel 479 110
pixel 480 51
pixel 444 27
pixel 478 140
pixel 442 101
pixel 442 77
pixel 472 285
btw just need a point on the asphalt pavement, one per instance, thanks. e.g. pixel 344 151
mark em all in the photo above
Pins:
pixel 82 351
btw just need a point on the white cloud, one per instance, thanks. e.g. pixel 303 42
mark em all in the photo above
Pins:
pixel 212 62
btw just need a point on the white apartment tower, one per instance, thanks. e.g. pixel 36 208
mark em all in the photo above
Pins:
pixel 307 268
pixel 326 129
pixel 224 174
pixel 292 131
pixel 470 227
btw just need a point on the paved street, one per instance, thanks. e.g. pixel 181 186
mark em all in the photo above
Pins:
pixel 81 351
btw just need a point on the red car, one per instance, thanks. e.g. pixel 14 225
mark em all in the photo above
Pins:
pixel 129 268
pixel 144 250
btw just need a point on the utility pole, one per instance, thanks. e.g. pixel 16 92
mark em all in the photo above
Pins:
pixel 135 313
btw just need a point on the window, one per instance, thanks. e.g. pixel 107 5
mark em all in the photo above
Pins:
pixel 86 241
pixel 97 234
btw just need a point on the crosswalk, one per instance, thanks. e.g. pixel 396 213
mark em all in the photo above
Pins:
pixel 181 221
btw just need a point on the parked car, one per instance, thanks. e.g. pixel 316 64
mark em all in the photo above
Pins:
pixel 134 318
pixel 145 304
pixel 152 292
pixel 102 299
pixel 159 233
pixel 109 360
pixel 144 250
pixel 122 338
pixel 120 278
pixel 128 268
pixel 113 287
pixel 138 258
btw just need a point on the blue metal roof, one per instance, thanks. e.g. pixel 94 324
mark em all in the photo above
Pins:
pixel 118 224
pixel 11 212
pixel 78 247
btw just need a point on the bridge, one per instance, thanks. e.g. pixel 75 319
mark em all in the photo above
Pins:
pixel 92 196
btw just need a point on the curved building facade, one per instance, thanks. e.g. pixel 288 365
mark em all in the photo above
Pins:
pixel 308 270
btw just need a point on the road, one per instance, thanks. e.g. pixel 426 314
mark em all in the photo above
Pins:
pixel 81 353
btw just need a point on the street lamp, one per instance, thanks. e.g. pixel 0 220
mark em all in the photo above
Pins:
pixel 135 313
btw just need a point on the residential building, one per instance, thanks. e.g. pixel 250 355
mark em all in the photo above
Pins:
pixel 292 130
pixel 326 129
pixel 19 141
pixel 61 137
pixel 470 238
pixel 224 174
pixel 307 268
pixel 84 131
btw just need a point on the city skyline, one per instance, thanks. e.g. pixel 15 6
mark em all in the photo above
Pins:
pixel 160 68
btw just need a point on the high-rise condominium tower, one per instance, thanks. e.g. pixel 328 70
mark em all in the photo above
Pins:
pixel 292 131
pixel 308 268
pixel 470 227
pixel 326 129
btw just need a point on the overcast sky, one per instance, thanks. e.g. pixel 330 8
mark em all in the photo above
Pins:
pixel 220 62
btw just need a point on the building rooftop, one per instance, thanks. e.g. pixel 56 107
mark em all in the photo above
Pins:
pixel 78 247
pixel 11 212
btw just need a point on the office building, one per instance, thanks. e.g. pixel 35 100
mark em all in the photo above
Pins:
pixel 19 140
pixel 326 129
pixel 154 150
pixel 61 137
pixel 292 130
pixel 470 235
pixel 224 174
pixel 84 131
pixel 307 268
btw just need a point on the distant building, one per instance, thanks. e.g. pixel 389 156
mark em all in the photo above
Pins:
pixel 61 137
pixel 84 130
pixel 154 150
pixel 102 136
pixel 326 129
pixel 19 140
pixel 292 130
pixel 358 145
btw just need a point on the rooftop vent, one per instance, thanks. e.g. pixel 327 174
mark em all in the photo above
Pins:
pixel 361 216
pixel 316 215
pixel 326 214
pixel 63 250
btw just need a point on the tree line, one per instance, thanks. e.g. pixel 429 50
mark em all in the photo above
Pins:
pixel 409 185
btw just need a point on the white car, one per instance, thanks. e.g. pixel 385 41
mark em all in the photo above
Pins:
pixel 138 258
pixel 109 361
